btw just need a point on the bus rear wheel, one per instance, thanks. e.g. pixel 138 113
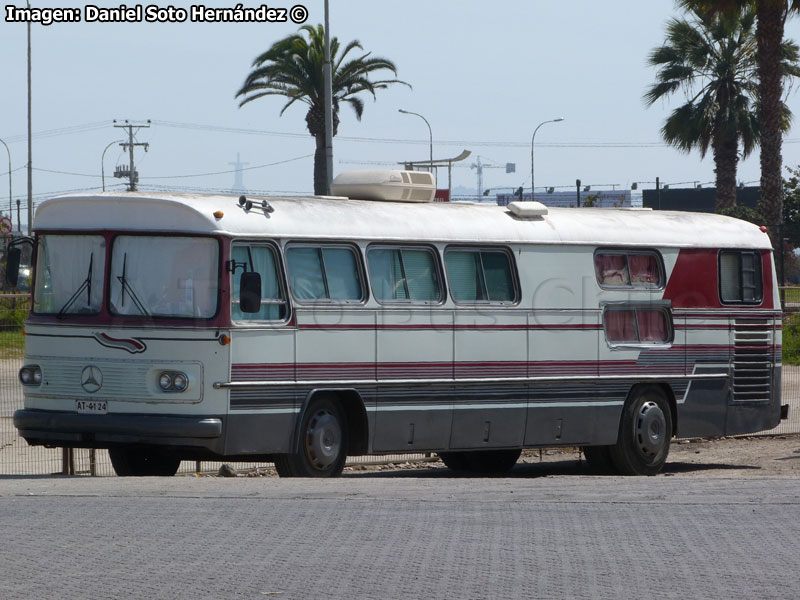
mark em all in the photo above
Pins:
pixel 599 459
pixel 323 442
pixel 645 433
pixel 143 462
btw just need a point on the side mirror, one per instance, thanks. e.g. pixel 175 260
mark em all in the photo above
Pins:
pixel 250 292
pixel 12 266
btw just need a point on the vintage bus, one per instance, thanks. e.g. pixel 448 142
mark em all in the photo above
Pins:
pixel 301 330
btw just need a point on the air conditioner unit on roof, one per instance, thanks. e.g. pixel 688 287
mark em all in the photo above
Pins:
pixel 385 184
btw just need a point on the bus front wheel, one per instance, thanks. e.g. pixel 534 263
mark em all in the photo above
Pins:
pixel 322 447
pixel 645 433
pixel 142 462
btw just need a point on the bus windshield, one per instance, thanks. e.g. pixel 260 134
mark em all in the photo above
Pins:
pixel 69 274
pixel 164 276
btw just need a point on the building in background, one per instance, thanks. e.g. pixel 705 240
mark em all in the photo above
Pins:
pixel 569 199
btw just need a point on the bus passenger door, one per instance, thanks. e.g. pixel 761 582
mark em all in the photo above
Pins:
pixel 414 343
pixel 261 421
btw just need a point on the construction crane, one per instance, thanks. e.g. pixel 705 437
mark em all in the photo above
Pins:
pixel 479 167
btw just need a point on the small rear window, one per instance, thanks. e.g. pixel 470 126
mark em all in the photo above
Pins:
pixel 740 279
pixel 628 269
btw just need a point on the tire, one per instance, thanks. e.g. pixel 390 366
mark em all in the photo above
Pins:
pixel 322 447
pixel 143 462
pixel 599 459
pixel 455 461
pixel 645 433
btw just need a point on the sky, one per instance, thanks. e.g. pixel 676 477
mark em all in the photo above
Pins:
pixel 483 74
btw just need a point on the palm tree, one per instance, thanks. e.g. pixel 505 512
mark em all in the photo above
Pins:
pixel 713 59
pixel 293 67
pixel 771 16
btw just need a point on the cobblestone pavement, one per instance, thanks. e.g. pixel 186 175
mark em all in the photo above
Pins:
pixel 366 536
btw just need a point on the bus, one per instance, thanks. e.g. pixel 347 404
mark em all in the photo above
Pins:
pixel 303 330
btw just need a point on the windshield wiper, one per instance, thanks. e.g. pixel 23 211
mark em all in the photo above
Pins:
pixel 126 287
pixel 86 285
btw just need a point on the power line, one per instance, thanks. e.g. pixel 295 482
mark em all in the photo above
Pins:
pixel 280 162
pixel 82 128
pixel 499 143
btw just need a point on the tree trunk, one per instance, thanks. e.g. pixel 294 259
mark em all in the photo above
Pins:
pixel 726 159
pixel 769 35
pixel 320 166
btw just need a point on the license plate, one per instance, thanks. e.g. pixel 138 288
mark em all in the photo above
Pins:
pixel 91 407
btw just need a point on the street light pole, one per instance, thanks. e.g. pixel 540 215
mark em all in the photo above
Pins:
pixel 10 204
pixel 102 163
pixel 533 137
pixel 430 133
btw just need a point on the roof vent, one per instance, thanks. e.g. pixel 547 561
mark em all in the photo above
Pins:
pixel 385 185
pixel 526 210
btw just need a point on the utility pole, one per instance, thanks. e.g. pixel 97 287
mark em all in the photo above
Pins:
pixel 130 172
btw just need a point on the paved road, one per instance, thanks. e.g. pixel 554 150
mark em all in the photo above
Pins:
pixel 370 536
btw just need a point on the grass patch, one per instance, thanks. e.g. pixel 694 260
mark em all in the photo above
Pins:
pixel 12 342
pixel 791 340
pixel 790 295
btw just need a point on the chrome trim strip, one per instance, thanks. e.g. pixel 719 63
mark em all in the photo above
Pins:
pixel 450 381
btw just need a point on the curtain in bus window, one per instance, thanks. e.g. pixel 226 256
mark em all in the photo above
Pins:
pixel 619 326
pixel 653 326
pixel 611 269
pixel 263 264
pixel 644 270
pixel 305 273
pixel 386 274
pixel 497 271
pixel 164 276
pixel 63 268
pixel 730 283
pixel 341 271
pixel 420 270
pixel 465 275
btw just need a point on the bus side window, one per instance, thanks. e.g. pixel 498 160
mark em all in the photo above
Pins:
pixel 324 274
pixel 404 275
pixel 628 269
pixel 480 275
pixel 260 259
pixel 637 325
pixel 740 280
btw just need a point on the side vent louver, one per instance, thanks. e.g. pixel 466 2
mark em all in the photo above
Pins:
pixel 752 360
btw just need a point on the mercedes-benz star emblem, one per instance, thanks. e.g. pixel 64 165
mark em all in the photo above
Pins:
pixel 91 379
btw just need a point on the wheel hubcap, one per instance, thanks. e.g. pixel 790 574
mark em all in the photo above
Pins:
pixel 323 439
pixel 651 428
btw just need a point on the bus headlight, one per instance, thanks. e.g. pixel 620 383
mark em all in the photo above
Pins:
pixel 30 375
pixel 179 382
pixel 165 381
pixel 173 381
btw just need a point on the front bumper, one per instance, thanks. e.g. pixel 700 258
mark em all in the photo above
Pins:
pixel 69 429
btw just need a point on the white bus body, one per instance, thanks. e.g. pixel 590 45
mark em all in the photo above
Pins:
pixel 386 327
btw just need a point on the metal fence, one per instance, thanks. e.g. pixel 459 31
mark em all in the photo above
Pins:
pixel 17 458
